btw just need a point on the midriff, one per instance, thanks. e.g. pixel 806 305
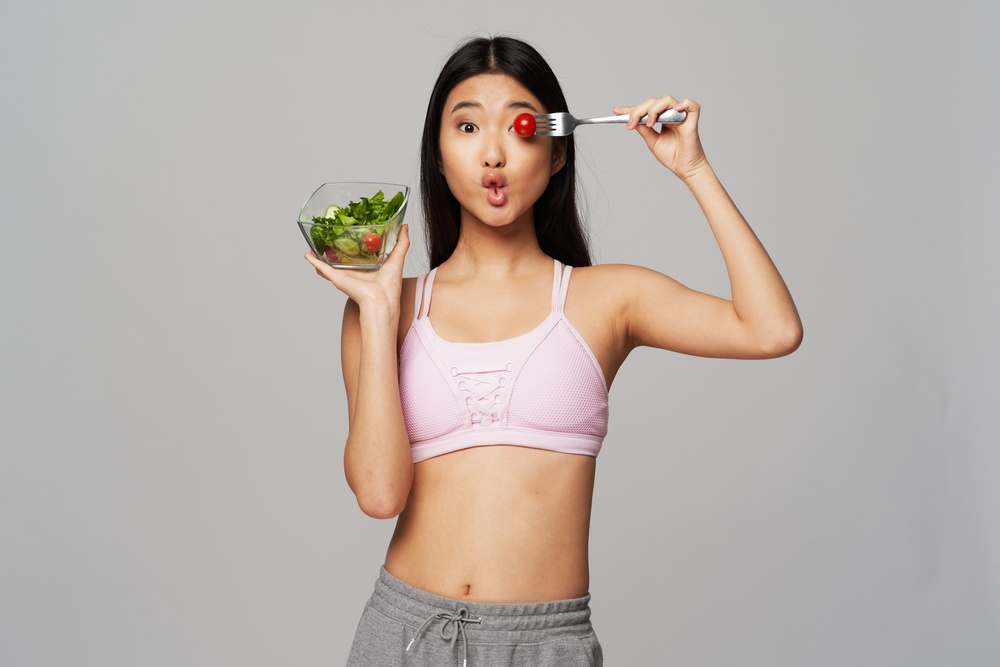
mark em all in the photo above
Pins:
pixel 497 524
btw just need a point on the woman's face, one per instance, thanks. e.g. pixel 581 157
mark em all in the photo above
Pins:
pixel 495 174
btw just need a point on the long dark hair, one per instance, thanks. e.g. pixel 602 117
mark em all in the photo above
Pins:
pixel 557 220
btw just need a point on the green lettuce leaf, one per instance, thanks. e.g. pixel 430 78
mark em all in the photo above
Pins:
pixel 368 211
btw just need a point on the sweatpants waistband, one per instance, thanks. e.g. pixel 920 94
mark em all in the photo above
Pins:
pixel 411 605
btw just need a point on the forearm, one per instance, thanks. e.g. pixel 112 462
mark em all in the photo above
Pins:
pixel 377 459
pixel 760 298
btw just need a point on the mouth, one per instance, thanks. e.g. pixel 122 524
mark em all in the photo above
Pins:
pixel 494 185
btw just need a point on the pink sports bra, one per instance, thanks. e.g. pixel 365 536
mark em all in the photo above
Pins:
pixel 543 389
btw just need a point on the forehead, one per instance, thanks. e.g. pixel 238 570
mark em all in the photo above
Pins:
pixel 490 91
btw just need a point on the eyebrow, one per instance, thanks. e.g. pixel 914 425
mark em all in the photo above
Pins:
pixel 477 105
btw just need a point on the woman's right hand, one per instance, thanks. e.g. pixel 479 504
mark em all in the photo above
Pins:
pixel 370 288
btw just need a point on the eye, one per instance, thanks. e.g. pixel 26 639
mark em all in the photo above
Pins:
pixel 467 127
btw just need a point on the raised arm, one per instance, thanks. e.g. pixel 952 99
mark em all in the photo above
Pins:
pixel 377 458
pixel 761 320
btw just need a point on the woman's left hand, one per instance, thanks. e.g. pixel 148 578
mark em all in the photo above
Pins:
pixel 676 146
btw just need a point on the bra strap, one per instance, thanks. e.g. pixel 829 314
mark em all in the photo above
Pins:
pixel 428 287
pixel 555 285
pixel 418 296
pixel 562 279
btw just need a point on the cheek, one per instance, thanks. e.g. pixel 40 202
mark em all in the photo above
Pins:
pixel 453 157
pixel 451 174
pixel 539 155
pixel 539 166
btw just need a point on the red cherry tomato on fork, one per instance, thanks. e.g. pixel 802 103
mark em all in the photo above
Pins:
pixel 373 242
pixel 524 124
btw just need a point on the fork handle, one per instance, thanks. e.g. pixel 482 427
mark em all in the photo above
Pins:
pixel 668 116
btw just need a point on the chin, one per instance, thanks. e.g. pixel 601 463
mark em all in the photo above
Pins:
pixel 500 216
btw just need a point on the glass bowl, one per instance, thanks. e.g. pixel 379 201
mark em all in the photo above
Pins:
pixel 366 240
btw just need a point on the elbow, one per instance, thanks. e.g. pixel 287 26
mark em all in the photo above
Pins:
pixel 782 341
pixel 381 508
pixel 381 503
pixel 381 484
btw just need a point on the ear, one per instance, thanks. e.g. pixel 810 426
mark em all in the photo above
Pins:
pixel 558 155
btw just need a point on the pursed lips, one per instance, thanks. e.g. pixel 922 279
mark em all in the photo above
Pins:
pixel 494 185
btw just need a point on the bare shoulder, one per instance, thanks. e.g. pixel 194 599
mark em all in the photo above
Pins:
pixel 620 283
pixel 615 271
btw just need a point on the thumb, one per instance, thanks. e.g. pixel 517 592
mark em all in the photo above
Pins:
pixel 402 245
pixel 404 238
pixel 648 134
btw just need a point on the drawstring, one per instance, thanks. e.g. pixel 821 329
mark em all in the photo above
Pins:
pixel 459 619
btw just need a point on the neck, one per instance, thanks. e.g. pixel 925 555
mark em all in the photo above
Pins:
pixel 496 252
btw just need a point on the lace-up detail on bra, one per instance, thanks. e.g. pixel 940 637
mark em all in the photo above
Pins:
pixel 543 389
pixel 484 393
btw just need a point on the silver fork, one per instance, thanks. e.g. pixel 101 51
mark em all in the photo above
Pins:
pixel 563 123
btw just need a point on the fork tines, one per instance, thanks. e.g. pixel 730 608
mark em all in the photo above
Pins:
pixel 545 124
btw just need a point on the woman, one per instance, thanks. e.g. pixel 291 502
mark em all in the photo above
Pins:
pixel 476 417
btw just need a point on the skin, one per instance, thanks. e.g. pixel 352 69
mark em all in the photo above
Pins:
pixel 504 523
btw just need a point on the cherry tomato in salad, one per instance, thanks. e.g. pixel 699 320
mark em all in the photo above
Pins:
pixel 331 254
pixel 373 242
pixel 524 124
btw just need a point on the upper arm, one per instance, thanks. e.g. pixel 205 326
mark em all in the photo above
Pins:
pixel 660 312
pixel 350 340
pixel 350 353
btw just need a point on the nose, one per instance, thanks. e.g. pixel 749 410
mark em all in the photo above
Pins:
pixel 493 153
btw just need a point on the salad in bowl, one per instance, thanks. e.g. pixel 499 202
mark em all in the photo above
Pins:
pixel 354 225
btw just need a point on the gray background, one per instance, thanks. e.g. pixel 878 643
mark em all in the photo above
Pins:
pixel 171 409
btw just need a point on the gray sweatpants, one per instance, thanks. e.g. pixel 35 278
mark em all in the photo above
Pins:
pixel 404 626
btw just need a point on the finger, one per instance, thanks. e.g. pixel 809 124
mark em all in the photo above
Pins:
pixel 313 259
pixel 693 110
pixel 634 113
pixel 625 111
pixel 688 104
pixel 661 105
pixel 327 272
pixel 638 112
pixel 323 270
pixel 316 262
